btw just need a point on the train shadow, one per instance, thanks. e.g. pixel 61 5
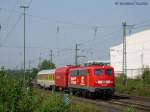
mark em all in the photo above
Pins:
pixel 119 97
pixel 114 97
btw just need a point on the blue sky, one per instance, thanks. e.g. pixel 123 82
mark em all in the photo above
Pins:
pixel 94 24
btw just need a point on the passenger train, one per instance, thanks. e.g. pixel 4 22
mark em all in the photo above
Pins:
pixel 88 80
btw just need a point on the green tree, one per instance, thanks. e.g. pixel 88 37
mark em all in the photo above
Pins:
pixel 34 72
pixel 46 64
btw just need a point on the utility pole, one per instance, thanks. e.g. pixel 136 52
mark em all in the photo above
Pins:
pixel 29 66
pixel 40 58
pixel 76 54
pixel 124 63
pixel 0 31
pixel 142 55
pixel 0 27
pixel 24 58
pixel 51 56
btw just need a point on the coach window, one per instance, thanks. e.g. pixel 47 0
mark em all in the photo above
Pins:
pixel 109 71
pixel 97 71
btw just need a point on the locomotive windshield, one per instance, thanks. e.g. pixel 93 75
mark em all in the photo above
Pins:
pixel 74 73
pixel 109 71
pixel 97 71
pixel 82 72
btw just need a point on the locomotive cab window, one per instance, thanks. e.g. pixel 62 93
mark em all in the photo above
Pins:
pixel 74 73
pixel 82 72
pixel 109 71
pixel 97 71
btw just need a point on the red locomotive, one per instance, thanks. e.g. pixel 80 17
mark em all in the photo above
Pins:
pixel 89 80
pixel 92 80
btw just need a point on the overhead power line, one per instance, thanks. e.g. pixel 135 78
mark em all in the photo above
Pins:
pixel 9 16
pixel 13 28
pixel 142 26
pixel 30 3
pixel 94 27
pixel 142 22
pixel 105 36
pixel 74 24
pixel 64 22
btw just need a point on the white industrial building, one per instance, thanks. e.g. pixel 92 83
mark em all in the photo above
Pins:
pixel 137 52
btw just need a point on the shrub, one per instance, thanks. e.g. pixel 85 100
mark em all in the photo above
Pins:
pixel 53 103
pixel 146 76
pixel 15 95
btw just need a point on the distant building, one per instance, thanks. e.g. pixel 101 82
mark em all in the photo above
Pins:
pixel 138 54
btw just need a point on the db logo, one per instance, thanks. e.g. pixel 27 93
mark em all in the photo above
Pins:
pixel 82 81
pixel 73 80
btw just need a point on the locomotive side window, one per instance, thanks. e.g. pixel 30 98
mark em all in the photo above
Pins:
pixel 82 72
pixel 74 73
pixel 108 71
pixel 97 71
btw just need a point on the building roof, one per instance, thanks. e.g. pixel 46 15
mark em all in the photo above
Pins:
pixel 48 71
pixel 137 38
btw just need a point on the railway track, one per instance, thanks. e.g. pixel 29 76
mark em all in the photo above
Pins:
pixel 117 103
pixel 104 105
pixel 117 95
pixel 136 104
